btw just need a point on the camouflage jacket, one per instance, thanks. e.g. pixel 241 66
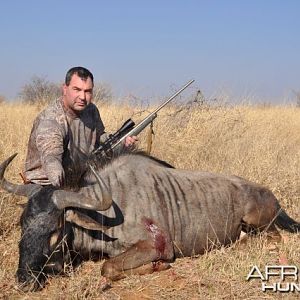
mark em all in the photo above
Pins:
pixel 54 140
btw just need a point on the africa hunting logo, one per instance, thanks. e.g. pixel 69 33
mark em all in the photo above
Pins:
pixel 282 279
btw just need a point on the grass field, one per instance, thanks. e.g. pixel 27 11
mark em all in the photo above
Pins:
pixel 260 143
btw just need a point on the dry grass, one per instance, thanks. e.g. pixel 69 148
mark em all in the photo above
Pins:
pixel 259 143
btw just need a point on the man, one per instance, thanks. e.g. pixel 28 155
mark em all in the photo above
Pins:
pixel 68 126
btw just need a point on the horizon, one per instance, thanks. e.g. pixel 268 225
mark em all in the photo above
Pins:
pixel 243 49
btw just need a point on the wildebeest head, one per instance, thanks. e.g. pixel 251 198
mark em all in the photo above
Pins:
pixel 42 234
pixel 39 222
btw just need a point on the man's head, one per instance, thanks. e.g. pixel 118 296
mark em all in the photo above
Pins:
pixel 78 89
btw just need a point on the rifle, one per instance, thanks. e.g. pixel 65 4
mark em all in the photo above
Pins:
pixel 130 129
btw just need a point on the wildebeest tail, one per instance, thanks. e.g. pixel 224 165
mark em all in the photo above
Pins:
pixel 285 222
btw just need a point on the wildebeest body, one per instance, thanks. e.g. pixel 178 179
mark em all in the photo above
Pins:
pixel 157 214
pixel 195 210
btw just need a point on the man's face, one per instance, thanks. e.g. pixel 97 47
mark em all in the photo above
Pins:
pixel 78 94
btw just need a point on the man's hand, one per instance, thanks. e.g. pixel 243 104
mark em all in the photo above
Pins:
pixel 130 141
pixel 57 177
pixel 55 172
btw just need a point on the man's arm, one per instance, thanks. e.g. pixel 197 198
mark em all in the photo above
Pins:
pixel 49 141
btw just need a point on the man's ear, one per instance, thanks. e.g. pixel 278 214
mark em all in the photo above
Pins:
pixel 64 89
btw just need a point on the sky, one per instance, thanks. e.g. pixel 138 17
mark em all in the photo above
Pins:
pixel 244 48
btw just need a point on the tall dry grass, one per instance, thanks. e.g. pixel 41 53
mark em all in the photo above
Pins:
pixel 258 143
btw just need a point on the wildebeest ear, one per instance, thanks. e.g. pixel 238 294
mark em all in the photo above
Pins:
pixel 63 199
pixel 83 220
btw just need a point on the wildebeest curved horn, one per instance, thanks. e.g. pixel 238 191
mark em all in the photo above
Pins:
pixel 63 199
pixel 84 198
pixel 18 189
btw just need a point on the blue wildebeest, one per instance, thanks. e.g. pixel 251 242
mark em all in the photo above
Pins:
pixel 156 213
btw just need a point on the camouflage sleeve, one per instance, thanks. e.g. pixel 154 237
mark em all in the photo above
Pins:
pixel 50 144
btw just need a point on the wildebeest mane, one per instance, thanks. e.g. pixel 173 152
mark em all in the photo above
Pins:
pixel 103 161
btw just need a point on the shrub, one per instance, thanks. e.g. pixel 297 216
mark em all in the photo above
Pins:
pixel 39 90
pixel 2 99
pixel 102 93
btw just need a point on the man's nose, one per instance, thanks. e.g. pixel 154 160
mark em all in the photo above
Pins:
pixel 82 95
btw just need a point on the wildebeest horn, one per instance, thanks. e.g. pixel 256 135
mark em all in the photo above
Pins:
pixel 18 189
pixel 63 199
pixel 103 201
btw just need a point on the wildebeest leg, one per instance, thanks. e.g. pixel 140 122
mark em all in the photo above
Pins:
pixel 136 260
pixel 149 268
pixel 155 266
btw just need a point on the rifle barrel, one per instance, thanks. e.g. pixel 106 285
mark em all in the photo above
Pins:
pixel 173 96
pixel 145 122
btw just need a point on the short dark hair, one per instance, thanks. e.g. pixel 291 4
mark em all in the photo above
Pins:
pixel 82 72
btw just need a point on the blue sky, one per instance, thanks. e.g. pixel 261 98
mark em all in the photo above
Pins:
pixel 147 48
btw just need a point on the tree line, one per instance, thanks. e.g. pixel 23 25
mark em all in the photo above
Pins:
pixel 39 90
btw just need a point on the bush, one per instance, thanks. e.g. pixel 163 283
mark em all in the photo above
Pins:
pixel 102 93
pixel 2 99
pixel 40 90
